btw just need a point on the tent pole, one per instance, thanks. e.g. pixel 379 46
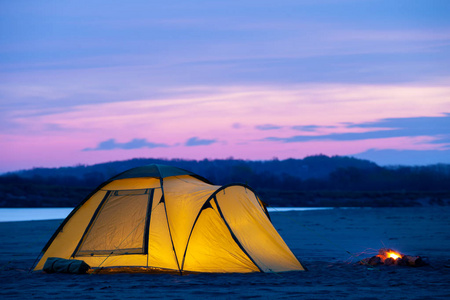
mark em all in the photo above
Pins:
pixel 37 258
pixel 168 225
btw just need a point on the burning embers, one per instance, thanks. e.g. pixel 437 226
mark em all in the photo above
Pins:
pixel 390 257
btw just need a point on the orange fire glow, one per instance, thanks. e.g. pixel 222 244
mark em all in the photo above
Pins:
pixel 393 254
pixel 389 253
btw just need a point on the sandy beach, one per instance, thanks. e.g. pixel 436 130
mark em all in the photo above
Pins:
pixel 328 242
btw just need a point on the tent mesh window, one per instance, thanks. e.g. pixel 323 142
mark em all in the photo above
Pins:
pixel 119 226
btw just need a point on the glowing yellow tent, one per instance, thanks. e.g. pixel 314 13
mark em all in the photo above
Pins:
pixel 159 217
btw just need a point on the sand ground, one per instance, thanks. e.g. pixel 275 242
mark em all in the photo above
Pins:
pixel 328 243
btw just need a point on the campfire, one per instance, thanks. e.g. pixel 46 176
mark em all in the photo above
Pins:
pixel 391 257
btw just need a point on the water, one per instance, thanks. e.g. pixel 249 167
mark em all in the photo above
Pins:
pixel 283 209
pixel 34 214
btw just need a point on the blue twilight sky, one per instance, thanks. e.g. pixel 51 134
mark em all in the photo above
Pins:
pixel 94 81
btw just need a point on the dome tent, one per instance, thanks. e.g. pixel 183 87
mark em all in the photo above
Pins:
pixel 163 218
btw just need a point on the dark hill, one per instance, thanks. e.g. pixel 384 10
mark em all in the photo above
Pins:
pixel 217 171
pixel 313 181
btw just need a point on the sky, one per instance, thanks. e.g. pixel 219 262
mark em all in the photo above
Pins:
pixel 85 82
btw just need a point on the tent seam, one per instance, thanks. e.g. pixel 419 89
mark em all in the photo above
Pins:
pixel 234 236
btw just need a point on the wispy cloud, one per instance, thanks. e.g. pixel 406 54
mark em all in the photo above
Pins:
pixel 231 113
pixel 268 127
pixel 310 128
pixel 434 127
pixel 111 144
pixel 393 35
pixel 195 141
pixel 437 127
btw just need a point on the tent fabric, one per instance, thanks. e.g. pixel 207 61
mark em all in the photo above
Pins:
pixel 156 171
pixel 164 218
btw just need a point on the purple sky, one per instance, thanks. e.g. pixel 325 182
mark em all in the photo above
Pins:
pixel 84 82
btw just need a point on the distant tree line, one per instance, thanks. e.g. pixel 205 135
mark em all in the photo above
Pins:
pixel 285 182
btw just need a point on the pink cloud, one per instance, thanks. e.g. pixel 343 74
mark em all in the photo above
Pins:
pixel 229 116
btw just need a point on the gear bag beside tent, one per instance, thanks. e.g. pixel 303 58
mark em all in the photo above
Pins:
pixel 164 218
